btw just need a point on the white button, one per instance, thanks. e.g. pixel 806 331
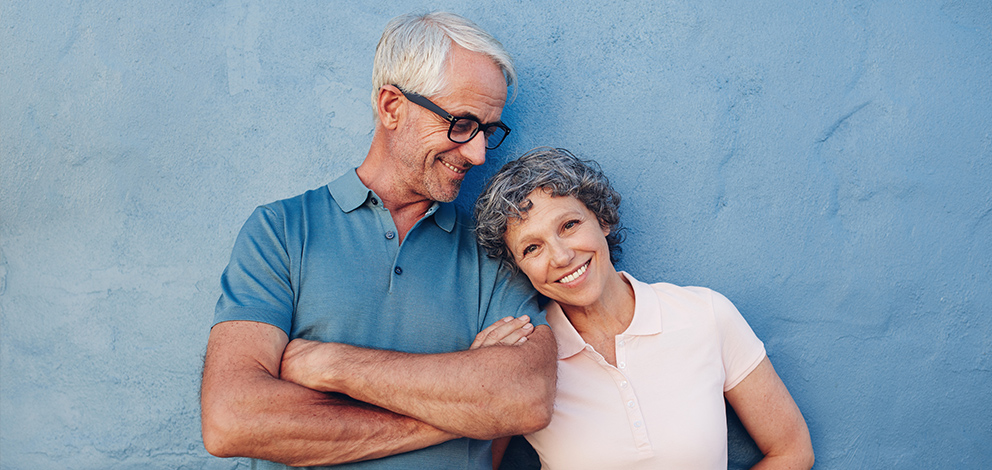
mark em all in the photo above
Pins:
pixel 630 404
pixel 637 424
pixel 623 384
pixel 622 365
pixel 622 342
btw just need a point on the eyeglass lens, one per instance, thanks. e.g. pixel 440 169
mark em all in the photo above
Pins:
pixel 463 130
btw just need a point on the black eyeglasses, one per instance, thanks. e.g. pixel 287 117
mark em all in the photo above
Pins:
pixel 463 129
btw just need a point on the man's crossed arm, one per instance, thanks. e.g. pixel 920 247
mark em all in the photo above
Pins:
pixel 395 402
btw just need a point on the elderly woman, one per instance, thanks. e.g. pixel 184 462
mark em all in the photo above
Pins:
pixel 643 369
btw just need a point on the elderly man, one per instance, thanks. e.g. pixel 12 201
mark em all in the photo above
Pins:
pixel 345 329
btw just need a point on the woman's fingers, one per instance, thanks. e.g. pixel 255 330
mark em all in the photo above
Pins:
pixel 507 331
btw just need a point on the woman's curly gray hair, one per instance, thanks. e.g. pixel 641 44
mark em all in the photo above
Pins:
pixel 552 169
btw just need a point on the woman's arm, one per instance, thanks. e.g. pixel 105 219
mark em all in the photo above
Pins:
pixel 508 331
pixel 772 418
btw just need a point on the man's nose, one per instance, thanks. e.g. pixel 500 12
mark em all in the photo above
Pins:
pixel 474 150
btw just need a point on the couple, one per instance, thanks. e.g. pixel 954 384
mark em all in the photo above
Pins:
pixel 361 324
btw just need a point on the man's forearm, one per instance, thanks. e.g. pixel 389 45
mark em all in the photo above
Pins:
pixel 481 393
pixel 320 430
pixel 247 412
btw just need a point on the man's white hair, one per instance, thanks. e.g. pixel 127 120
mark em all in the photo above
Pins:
pixel 413 50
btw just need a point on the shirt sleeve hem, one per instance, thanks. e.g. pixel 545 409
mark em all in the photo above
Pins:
pixel 746 372
pixel 276 319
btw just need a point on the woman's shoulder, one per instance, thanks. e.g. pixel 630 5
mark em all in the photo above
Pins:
pixel 696 302
pixel 667 290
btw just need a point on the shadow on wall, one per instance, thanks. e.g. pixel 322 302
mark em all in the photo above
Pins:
pixel 742 452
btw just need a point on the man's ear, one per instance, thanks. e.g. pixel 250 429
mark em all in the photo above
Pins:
pixel 389 106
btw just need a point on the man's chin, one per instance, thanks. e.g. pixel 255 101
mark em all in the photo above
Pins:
pixel 447 197
pixel 449 193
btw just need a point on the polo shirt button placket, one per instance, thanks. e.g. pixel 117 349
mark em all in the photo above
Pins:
pixel 621 353
pixel 637 421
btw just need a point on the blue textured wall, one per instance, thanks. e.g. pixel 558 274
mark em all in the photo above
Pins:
pixel 827 167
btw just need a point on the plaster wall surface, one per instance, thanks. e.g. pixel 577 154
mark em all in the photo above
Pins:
pixel 825 165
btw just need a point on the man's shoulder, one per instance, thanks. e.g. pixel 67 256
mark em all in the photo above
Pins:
pixel 301 202
pixel 291 214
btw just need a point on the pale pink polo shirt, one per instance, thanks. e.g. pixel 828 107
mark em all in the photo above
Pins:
pixel 662 406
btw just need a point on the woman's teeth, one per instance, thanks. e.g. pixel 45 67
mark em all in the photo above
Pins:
pixel 575 275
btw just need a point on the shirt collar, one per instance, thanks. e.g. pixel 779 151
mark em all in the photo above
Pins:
pixel 646 321
pixel 647 309
pixel 350 193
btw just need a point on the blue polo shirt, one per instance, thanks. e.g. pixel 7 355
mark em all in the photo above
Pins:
pixel 327 266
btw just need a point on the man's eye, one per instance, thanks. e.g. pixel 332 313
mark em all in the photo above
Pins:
pixel 570 224
pixel 463 126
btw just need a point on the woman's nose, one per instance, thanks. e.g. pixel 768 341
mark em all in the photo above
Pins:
pixel 561 254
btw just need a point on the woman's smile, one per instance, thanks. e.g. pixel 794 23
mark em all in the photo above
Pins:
pixel 575 275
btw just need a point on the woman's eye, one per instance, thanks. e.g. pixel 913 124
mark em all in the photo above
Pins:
pixel 530 249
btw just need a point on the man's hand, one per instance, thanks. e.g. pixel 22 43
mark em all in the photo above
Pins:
pixel 508 332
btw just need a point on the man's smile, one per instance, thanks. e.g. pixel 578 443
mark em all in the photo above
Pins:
pixel 454 168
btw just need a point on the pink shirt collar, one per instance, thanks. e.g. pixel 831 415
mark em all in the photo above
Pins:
pixel 645 321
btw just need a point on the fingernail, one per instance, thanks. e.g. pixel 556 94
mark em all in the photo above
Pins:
pixel 522 340
pixel 528 326
pixel 507 319
pixel 525 318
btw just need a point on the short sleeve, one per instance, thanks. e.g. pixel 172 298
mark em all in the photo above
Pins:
pixel 256 284
pixel 513 295
pixel 742 350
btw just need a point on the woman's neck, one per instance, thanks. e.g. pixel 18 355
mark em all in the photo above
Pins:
pixel 600 322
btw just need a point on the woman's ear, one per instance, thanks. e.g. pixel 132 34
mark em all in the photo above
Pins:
pixel 388 106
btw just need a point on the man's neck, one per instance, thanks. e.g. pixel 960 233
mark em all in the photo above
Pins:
pixel 405 207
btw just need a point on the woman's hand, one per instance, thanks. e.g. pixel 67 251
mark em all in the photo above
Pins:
pixel 507 332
